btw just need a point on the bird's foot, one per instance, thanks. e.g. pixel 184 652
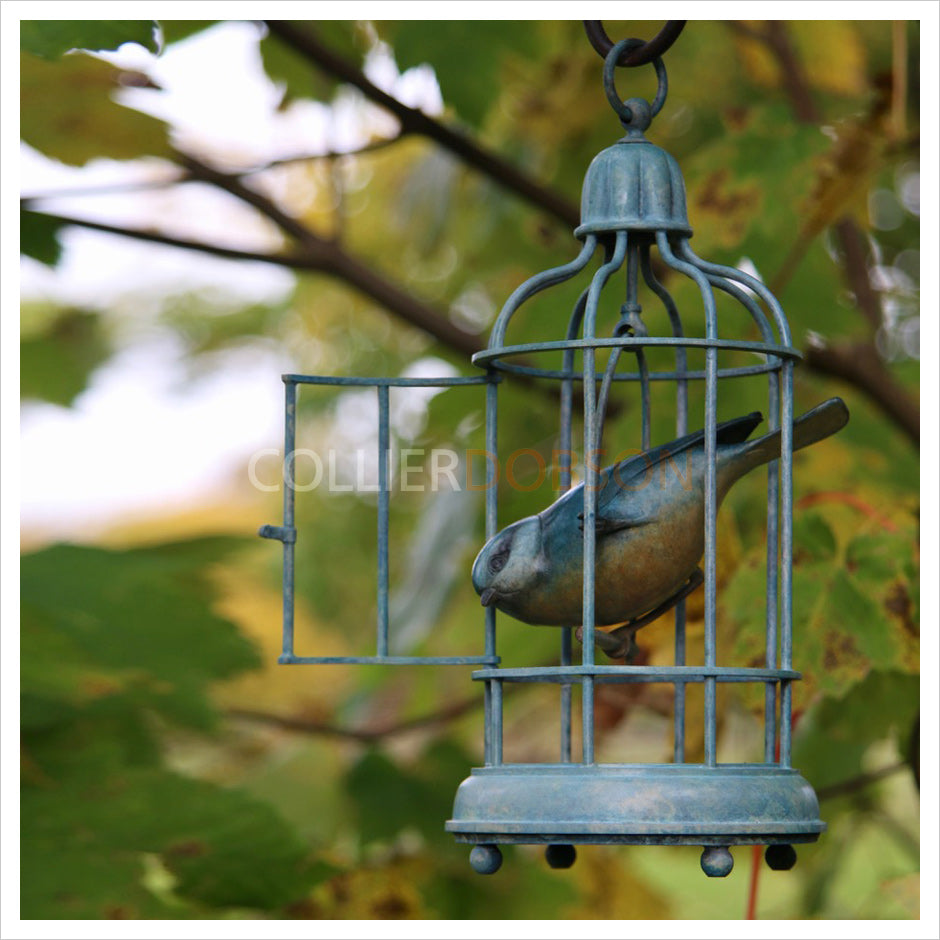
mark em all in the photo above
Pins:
pixel 620 643
pixel 616 645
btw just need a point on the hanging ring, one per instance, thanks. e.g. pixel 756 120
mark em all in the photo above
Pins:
pixel 643 54
pixel 623 109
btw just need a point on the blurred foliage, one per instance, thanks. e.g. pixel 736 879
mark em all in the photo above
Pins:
pixel 67 111
pixel 292 73
pixel 856 602
pixel 57 359
pixel 172 769
pixel 107 660
pixel 50 39
pixel 469 85
pixel 39 237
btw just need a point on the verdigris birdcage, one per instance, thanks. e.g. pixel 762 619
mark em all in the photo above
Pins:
pixel 617 551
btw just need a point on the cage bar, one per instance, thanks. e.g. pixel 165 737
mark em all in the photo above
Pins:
pixel 382 574
pixel 290 425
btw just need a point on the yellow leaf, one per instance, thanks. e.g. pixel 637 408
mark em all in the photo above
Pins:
pixel 830 52
pixel 380 892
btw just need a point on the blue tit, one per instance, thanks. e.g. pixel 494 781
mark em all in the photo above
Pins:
pixel 650 515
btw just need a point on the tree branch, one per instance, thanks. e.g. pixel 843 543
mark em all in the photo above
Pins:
pixel 319 256
pixel 365 735
pixel 159 238
pixel 229 182
pixel 363 151
pixel 414 121
pixel 854 784
pixel 860 365
pixel 854 250
pixel 792 75
pixel 109 189
pixel 329 257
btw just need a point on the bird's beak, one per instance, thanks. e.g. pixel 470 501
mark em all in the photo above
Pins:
pixel 486 598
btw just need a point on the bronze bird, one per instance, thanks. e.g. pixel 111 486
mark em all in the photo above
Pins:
pixel 650 532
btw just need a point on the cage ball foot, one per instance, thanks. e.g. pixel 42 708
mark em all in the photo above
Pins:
pixel 717 861
pixel 486 859
pixel 780 857
pixel 560 855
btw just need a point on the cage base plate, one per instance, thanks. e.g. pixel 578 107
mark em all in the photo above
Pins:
pixel 670 804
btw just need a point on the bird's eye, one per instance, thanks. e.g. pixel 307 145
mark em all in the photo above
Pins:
pixel 498 562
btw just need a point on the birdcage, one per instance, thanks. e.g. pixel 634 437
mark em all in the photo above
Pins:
pixel 633 222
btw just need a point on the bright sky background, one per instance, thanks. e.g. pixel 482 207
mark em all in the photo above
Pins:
pixel 141 437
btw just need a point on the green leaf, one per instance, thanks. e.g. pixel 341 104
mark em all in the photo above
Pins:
pixel 92 738
pixel 108 637
pixel 50 39
pixel 466 56
pixel 296 74
pixel 227 849
pixel 176 30
pixel 39 237
pixel 834 735
pixel 205 327
pixel 854 603
pixel 55 670
pixel 224 849
pixel 877 557
pixel 55 365
pixel 812 534
pixel 388 798
pixel 886 702
pixel 66 112
pixel 135 623
pixel 59 881
pixel 734 181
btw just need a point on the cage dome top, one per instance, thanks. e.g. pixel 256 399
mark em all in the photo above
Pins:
pixel 633 185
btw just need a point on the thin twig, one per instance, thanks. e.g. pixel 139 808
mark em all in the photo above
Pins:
pixel 750 910
pixel 332 258
pixel 364 151
pixel 898 831
pixel 854 252
pixel 183 176
pixel 108 189
pixel 366 735
pixel 854 784
pixel 792 76
pixel 295 261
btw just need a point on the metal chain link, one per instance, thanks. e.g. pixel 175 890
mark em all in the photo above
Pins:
pixel 662 41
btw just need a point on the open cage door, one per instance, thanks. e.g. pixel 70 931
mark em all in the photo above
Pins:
pixel 287 532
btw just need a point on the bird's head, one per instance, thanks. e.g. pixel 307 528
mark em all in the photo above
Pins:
pixel 509 562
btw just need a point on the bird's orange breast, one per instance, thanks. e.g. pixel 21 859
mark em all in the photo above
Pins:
pixel 635 570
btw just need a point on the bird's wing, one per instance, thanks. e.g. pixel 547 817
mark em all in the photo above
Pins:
pixel 616 510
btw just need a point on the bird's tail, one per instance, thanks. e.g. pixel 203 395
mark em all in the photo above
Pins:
pixel 816 424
